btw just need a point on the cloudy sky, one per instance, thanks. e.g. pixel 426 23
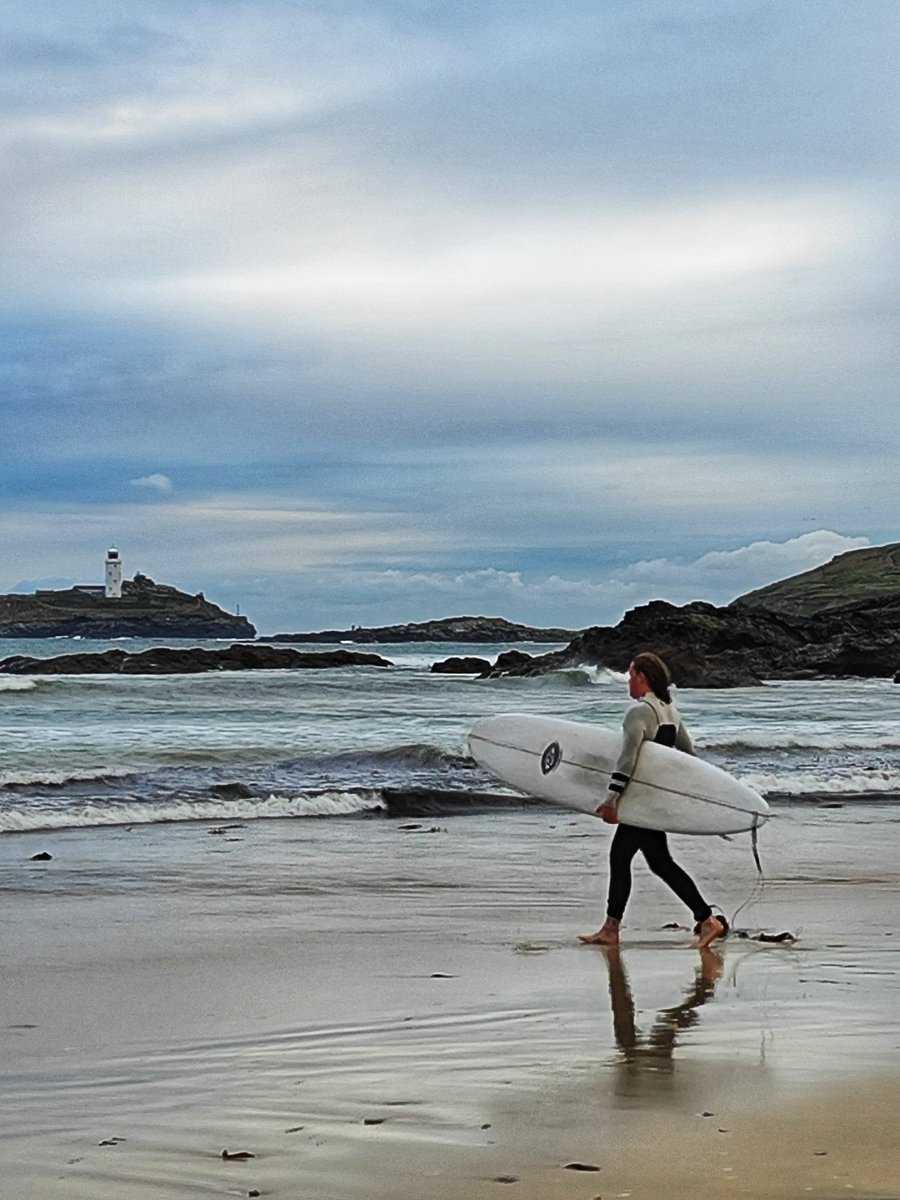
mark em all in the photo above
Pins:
pixel 362 311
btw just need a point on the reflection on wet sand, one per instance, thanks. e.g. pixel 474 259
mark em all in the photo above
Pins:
pixel 655 1049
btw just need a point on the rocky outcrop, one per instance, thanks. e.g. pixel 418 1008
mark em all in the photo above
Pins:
pixel 168 660
pixel 510 662
pixel 447 802
pixel 462 666
pixel 145 609
pixel 449 629
pixel 739 645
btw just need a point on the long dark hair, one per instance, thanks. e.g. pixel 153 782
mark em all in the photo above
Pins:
pixel 655 671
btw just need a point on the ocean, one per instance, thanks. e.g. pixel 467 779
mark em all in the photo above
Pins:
pixel 84 751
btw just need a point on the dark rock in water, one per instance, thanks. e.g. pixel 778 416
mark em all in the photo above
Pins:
pixel 445 802
pixel 166 660
pixel 44 856
pixel 448 629
pixel 514 662
pixel 231 791
pixel 513 658
pixel 461 666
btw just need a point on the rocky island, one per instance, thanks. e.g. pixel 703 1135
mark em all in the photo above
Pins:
pixel 144 609
pixel 449 629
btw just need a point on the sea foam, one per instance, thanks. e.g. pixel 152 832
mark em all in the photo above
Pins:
pixel 122 812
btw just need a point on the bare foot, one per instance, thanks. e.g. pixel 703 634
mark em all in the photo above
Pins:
pixel 608 935
pixel 710 929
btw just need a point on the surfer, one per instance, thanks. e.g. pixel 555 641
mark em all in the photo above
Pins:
pixel 653 718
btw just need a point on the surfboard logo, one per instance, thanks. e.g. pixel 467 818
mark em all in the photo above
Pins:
pixel 550 758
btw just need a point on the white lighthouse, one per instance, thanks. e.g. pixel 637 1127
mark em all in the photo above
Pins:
pixel 113 589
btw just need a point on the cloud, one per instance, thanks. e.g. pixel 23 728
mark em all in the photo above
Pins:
pixel 383 229
pixel 155 482
pixel 169 540
pixel 720 576
pixel 605 259
pixel 535 305
pixel 773 560
pixel 342 595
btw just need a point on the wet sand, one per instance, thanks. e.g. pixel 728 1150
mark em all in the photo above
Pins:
pixel 381 1012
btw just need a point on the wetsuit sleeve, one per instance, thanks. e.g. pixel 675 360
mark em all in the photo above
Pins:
pixel 683 739
pixel 638 726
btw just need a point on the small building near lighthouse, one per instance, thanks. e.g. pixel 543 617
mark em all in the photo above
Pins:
pixel 113 586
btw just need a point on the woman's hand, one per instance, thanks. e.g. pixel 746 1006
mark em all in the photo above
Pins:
pixel 609 813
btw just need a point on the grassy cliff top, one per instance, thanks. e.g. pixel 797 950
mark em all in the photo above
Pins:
pixel 870 574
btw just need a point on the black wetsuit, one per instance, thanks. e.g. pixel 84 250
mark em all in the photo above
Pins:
pixel 652 843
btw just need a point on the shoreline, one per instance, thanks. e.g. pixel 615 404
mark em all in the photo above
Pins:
pixel 420 1006
pixel 426 803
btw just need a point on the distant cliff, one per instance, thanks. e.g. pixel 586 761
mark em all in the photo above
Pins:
pixel 146 609
pixel 448 629
pixel 860 577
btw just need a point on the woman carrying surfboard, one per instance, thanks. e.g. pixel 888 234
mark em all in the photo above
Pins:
pixel 653 718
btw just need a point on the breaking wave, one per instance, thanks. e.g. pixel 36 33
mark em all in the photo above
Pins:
pixel 15 683
pixel 837 782
pixel 133 812
pixel 875 738
pixel 60 779
pixel 410 755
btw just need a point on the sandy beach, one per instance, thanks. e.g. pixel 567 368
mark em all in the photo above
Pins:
pixel 402 1009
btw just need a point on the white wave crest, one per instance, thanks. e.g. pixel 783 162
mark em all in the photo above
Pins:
pixel 26 778
pixel 834 782
pixel 15 683
pixel 880 738
pixel 602 676
pixel 87 815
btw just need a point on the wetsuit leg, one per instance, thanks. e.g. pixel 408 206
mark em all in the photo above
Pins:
pixel 655 848
pixel 625 845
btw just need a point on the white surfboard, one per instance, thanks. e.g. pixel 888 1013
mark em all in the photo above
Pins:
pixel 569 763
